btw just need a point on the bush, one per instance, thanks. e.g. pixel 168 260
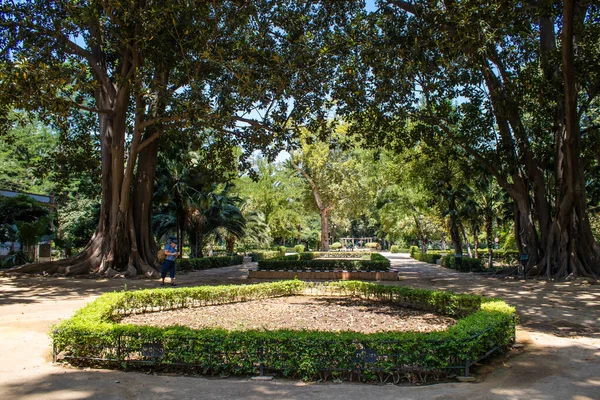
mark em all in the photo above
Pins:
pixel 264 255
pixel 464 265
pixel 430 258
pixel 299 248
pixel 94 335
pixel 509 257
pixel 336 246
pixel 372 245
pixel 413 250
pixel 282 250
pixel 302 262
pixel 192 264
pixel 398 249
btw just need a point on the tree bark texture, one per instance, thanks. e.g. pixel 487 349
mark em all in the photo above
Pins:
pixel 123 244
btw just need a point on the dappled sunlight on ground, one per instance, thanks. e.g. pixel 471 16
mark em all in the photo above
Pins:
pixel 559 357
pixel 563 308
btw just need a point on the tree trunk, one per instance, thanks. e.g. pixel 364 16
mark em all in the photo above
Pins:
pixel 123 244
pixel 323 208
pixel 476 239
pixel 571 249
pixel 455 235
pixel 421 235
pixel 325 229
pixel 466 239
pixel 489 231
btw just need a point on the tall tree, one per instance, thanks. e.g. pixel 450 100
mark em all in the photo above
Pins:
pixel 514 111
pixel 144 68
pixel 322 164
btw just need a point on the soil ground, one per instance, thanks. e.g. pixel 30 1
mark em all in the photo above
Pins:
pixel 329 314
pixel 557 356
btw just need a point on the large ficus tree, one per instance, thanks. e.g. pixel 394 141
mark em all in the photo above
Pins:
pixel 239 69
pixel 516 85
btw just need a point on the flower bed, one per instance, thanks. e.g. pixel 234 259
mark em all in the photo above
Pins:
pixel 95 336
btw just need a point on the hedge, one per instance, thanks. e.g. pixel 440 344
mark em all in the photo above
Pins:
pixel 413 250
pixel 475 265
pixel 192 264
pixel 464 265
pixel 94 335
pixel 398 249
pixel 430 258
pixel 302 262
pixel 264 255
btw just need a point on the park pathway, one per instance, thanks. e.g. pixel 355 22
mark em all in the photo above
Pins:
pixel 559 331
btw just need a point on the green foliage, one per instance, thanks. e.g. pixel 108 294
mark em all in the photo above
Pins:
pixel 413 250
pixel 78 220
pixel 398 249
pixel 24 219
pixel 258 255
pixel 430 258
pixel 507 257
pixel 372 245
pixel 299 248
pixel 282 250
pixel 463 264
pixel 94 332
pixel 376 262
pixel 15 259
pixel 510 243
pixel 336 246
pixel 23 150
pixel 192 264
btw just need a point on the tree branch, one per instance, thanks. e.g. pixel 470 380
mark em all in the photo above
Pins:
pixel 404 5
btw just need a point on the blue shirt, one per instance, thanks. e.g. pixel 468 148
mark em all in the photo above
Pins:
pixel 170 249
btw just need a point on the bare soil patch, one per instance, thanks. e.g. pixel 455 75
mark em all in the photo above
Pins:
pixel 300 313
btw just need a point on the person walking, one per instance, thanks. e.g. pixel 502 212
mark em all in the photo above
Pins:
pixel 169 263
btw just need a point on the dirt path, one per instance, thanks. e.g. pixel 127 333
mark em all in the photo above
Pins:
pixel 559 329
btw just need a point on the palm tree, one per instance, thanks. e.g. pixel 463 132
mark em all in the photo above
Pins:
pixel 258 232
pixel 215 214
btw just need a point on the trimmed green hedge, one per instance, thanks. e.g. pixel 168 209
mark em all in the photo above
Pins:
pixel 94 334
pixel 192 264
pixel 303 262
pixel 464 265
pixel 427 257
pixel 264 255
pixel 398 249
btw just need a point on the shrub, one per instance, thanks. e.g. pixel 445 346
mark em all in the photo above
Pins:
pixel 372 245
pixel 191 264
pixel 336 246
pixel 375 262
pixel 282 250
pixel 94 334
pixel 430 258
pixel 264 255
pixel 463 264
pixel 299 248
pixel 398 249
pixel 413 250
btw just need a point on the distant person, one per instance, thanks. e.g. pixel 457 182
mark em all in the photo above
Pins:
pixel 169 263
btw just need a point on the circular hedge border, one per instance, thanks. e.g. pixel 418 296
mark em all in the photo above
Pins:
pixel 94 336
